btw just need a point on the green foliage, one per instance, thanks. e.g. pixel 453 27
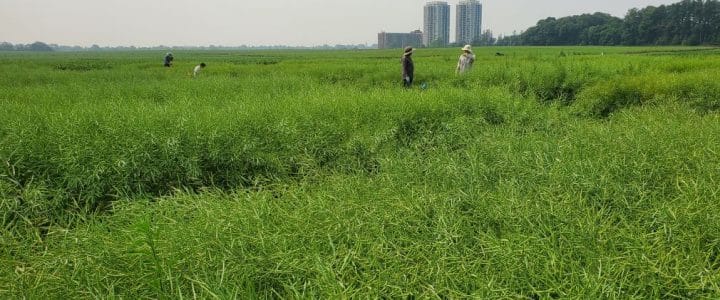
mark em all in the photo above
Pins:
pixel 694 88
pixel 86 65
pixel 303 174
pixel 586 29
pixel 688 22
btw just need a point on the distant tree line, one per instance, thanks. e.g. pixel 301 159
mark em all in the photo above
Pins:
pixel 37 46
pixel 40 46
pixel 690 22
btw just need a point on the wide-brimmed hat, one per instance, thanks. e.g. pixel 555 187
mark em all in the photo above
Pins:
pixel 409 50
pixel 467 48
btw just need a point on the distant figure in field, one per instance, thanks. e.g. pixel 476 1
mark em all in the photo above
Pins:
pixel 499 54
pixel 408 67
pixel 198 68
pixel 168 59
pixel 466 61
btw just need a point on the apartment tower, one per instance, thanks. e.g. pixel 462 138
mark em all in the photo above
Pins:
pixel 468 21
pixel 437 24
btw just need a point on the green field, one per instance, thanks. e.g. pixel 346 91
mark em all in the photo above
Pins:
pixel 545 173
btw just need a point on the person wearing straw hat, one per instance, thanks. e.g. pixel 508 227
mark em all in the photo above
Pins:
pixel 466 60
pixel 408 67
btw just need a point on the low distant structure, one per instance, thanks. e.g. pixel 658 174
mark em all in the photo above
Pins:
pixel 389 40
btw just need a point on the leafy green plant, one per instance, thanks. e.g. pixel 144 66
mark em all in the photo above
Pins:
pixel 315 174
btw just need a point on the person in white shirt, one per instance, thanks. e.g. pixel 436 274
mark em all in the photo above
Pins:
pixel 466 60
pixel 198 68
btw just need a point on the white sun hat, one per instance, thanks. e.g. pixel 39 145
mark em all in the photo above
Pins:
pixel 467 48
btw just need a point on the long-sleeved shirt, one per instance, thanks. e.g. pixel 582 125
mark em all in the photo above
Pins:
pixel 465 62
pixel 197 70
pixel 408 67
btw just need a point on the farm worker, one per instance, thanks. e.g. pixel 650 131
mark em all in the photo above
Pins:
pixel 168 59
pixel 198 68
pixel 465 63
pixel 408 67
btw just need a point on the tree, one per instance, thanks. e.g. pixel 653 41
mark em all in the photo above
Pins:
pixel 5 46
pixel 485 39
pixel 39 46
pixel 512 40
pixel 584 29
pixel 689 22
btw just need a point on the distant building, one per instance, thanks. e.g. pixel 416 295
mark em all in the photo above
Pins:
pixel 468 21
pixel 437 24
pixel 387 40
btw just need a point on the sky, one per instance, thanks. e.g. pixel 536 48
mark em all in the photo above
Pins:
pixel 259 22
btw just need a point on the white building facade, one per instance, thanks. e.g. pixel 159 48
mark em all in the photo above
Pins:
pixel 468 22
pixel 436 24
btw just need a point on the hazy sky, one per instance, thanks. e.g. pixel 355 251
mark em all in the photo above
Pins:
pixel 258 22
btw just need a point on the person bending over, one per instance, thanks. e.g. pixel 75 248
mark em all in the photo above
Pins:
pixel 198 69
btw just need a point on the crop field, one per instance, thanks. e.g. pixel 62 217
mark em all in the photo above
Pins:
pixel 545 173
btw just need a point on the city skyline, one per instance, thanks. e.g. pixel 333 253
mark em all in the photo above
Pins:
pixel 279 22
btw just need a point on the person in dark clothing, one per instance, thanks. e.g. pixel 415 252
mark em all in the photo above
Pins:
pixel 408 67
pixel 168 60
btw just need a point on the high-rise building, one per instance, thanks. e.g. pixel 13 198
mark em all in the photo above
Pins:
pixel 388 40
pixel 437 24
pixel 468 21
